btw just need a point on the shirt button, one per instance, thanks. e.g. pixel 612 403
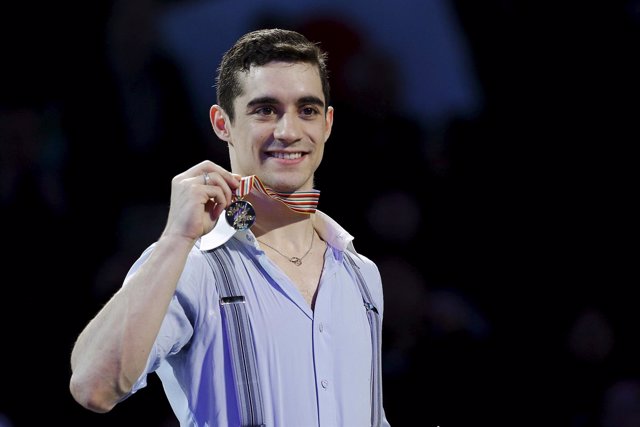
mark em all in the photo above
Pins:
pixel 249 238
pixel 324 383
pixel 321 327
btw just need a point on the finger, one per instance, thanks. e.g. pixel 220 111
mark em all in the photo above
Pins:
pixel 219 195
pixel 217 180
pixel 204 166
pixel 217 211
pixel 208 167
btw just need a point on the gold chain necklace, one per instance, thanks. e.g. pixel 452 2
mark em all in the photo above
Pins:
pixel 294 259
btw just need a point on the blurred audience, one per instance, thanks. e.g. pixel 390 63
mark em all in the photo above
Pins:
pixel 482 334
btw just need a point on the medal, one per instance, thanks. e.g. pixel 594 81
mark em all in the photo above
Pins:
pixel 240 215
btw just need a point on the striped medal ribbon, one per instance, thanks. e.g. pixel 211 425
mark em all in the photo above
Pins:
pixel 241 214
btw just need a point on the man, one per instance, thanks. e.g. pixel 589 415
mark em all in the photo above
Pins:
pixel 274 322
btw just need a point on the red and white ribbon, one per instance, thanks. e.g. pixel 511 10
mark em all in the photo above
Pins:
pixel 299 201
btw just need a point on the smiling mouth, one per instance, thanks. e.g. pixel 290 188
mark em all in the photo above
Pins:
pixel 286 156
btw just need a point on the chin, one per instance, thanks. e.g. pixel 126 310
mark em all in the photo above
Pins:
pixel 285 185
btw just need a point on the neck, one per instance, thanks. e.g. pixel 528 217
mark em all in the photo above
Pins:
pixel 276 223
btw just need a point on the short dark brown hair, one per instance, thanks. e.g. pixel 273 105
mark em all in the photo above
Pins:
pixel 259 48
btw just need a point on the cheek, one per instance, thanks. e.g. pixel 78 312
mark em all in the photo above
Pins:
pixel 258 134
pixel 246 141
pixel 319 154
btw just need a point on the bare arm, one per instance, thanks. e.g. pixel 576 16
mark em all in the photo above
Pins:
pixel 111 352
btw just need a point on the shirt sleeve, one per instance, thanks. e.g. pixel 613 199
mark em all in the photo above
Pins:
pixel 177 327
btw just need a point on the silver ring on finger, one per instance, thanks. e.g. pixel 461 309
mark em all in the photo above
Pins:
pixel 206 178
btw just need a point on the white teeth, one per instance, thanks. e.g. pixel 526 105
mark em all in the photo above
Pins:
pixel 288 156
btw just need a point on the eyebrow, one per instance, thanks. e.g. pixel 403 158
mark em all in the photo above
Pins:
pixel 271 100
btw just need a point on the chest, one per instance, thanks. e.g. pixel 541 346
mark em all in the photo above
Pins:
pixel 278 298
pixel 286 325
pixel 305 276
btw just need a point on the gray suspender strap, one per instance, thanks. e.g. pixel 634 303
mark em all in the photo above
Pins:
pixel 376 341
pixel 240 338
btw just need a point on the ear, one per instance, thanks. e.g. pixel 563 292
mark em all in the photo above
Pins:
pixel 328 123
pixel 219 122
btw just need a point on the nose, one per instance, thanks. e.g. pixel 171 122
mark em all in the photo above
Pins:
pixel 288 128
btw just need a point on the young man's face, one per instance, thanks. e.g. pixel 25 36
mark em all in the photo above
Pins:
pixel 280 125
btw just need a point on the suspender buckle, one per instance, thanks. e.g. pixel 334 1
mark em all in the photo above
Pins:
pixel 234 299
pixel 370 307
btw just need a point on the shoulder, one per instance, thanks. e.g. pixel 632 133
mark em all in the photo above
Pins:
pixel 364 263
pixel 371 274
pixel 195 273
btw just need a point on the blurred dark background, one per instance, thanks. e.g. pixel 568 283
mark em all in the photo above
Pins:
pixel 488 148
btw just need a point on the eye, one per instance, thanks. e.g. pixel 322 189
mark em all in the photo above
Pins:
pixel 309 111
pixel 265 110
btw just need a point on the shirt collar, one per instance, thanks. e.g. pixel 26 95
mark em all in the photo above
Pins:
pixel 328 229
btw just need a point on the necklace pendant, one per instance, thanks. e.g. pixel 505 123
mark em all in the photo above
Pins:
pixel 297 261
pixel 240 215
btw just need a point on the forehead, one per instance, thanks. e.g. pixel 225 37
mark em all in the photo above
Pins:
pixel 281 80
